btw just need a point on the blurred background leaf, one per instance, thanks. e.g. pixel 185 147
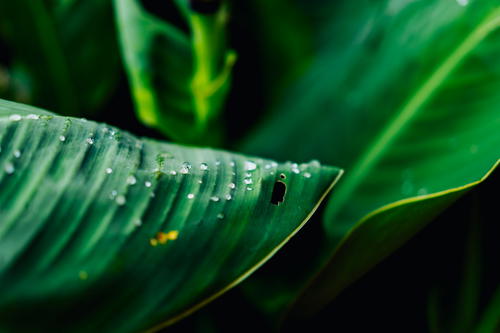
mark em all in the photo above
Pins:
pixel 179 75
pixel 409 89
pixel 59 54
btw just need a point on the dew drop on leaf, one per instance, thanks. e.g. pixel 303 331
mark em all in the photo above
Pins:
pixel 250 166
pixel 120 200
pixel 9 168
pixel 131 180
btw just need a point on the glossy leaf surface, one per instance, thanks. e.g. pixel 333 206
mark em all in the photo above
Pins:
pixel 103 231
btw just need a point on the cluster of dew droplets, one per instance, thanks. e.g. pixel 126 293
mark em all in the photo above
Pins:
pixel 250 167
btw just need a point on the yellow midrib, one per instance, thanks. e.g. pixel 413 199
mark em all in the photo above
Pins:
pixel 408 112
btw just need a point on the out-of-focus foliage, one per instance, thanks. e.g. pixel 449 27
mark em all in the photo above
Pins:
pixel 58 54
pixel 410 90
pixel 179 79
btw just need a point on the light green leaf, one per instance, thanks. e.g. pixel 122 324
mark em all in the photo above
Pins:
pixel 179 81
pixel 101 231
pixel 410 90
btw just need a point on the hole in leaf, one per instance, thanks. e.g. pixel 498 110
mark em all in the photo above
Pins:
pixel 282 176
pixel 279 192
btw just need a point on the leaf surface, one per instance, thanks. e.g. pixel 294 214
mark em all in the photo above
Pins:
pixel 103 231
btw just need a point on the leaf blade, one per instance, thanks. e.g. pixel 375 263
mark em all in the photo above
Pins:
pixel 147 228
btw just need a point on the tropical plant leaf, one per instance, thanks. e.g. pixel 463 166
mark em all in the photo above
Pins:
pixel 102 231
pixel 179 81
pixel 378 229
pixel 410 89
pixel 65 53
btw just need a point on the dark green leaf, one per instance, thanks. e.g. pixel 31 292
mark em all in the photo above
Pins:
pixel 64 54
pixel 404 95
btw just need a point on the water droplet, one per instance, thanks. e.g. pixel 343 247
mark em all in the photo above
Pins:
pixel 200 182
pixel 190 196
pixel 203 166
pixel 248 175
pixel 249 188
pixel 17 153
pixel 274 164
pixel 131 180
pixel 62 138
pixel 15 117
pixel 307 175
pixel 214 198
pixel 33 116
pixel 268 166
pixel 9 168
pixel 89 141
pixel 109 171
pixel 296 171
pixel 114 193
pixel 147 184
pixel 232 185
pixel 250 166
pixel 463 3
pixel 220 216
pixel 228 197
pixel 422 191
pixel 138 222
pixel 120 200
pixel 217 163
pixel 247 181
pixel 173 172
pixel 231 164
pixel 185 168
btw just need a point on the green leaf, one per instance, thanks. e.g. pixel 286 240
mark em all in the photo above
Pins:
pixel 404 95
pixel 179 82
pixel 102 231
pixel 64 52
